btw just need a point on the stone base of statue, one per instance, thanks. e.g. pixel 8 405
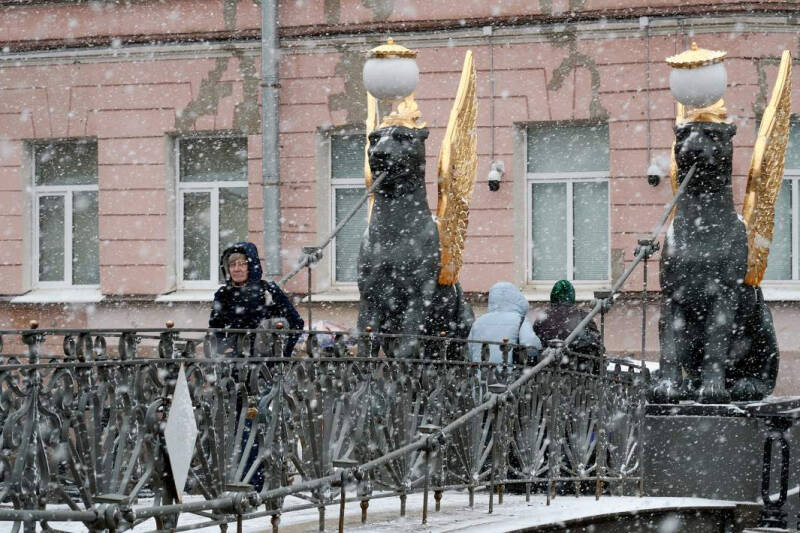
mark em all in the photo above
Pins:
pixel 719 452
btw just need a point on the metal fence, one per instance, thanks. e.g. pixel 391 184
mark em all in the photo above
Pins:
pixel 87 418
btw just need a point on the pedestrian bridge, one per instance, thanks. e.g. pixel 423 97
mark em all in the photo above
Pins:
pixel 97 422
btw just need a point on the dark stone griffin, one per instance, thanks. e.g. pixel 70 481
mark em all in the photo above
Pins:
pixel 399 259
pixel 716 333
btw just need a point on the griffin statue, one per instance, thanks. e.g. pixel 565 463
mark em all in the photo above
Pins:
pixel 409 261
pixel 716 333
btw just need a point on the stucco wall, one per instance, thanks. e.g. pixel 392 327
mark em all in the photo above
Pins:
pixel 136 75
pixel 134 100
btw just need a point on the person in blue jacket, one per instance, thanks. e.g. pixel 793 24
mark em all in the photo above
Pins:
pixel 246 300
pixel 506 319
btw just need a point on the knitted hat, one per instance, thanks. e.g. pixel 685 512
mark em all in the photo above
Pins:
pixel 563 292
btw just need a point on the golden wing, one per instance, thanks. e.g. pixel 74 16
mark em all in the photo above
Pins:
pixel 458 161
pixel 371 125
pixel 680 116
pixel 766 174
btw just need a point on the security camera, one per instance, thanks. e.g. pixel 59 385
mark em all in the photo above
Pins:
pixel 656 171
pixel 496 173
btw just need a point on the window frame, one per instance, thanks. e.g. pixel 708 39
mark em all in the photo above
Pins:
pixel 67 193
pixel 789 289
pixel 569 178
pixel 333 185
pixel 211 187
pixel 793 176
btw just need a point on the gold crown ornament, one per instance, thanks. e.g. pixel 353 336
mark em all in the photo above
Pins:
pixel 696 57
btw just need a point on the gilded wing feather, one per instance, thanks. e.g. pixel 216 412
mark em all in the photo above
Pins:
pixel 766 174
pixel 371 125
pixel 680 116
pixel 458 161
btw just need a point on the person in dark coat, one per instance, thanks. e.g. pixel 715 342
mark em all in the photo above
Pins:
pixel 246 300
pixel 562 316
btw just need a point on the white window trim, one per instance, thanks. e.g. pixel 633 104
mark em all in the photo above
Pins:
pixel 211 187
pixel 74 294
pixel 66 192
pixel 541 288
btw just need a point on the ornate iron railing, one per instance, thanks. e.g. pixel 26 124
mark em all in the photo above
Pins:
pixel 90 428
pixel 86 414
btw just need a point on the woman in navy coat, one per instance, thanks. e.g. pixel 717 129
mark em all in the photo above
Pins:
pixel 246 300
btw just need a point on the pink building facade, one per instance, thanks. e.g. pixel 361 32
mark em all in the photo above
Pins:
pixel 130 146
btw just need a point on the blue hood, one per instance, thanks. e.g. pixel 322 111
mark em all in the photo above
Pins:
pixel 249 249
pixel 505 296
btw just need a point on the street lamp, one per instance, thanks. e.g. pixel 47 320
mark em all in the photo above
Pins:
pixel 698 77
pixel 391 72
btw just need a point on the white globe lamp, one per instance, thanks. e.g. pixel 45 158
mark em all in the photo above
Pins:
pixel 698 77
pixel 391 72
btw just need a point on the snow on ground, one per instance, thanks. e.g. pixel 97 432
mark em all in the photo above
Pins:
pixel 455 515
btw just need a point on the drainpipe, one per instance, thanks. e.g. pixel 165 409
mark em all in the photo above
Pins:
pixel 270 157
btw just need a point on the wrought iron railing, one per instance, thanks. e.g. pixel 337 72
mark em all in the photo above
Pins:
pixel 85 414
pixel 95 420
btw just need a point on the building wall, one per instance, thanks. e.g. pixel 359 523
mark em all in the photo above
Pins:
pixel 137 76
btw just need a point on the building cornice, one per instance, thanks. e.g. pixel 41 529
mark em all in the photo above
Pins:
pixel 529 30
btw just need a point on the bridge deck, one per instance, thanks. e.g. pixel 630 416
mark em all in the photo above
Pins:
pixel 456 516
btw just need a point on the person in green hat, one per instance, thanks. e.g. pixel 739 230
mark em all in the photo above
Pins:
pixel 562 316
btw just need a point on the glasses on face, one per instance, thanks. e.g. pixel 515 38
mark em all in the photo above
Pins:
pixel 237 264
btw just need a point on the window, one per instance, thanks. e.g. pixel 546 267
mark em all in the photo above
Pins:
pixel 567 179
pixel 782 263
pixel 347 188
pixel 65 207
pixel 212 205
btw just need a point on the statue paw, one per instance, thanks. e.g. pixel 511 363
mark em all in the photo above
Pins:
pixel 713 393
pixel 689 389
pixel 748 390
pixel 664 390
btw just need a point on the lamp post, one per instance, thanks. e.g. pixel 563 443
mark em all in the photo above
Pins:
pixel 390 75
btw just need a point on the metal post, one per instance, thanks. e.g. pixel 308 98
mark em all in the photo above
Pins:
pixel 640 413
pixel 309 302
pixel 603 298
pixel 646 248
pixel 644 306
pixel 426 482
pixel 773 515
pixel 270 146
pixel 495 436
pixel 341 503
